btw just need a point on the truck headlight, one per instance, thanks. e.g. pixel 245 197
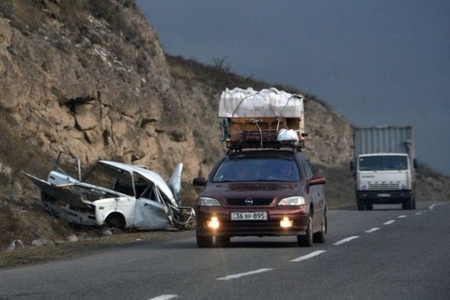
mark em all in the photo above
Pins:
pixel 364 187
pixel 296 200
pixel 207 201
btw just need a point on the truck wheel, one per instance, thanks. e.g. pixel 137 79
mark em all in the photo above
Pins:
pixel 407 204
pixel 319 237
pixel 306 240
pixel 204 241
pixel 360 204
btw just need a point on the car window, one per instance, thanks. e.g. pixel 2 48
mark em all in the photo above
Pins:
pixel 257 169
pixel 309 169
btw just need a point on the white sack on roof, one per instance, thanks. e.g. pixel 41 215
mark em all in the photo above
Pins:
pixel 265 103
pixel 287 135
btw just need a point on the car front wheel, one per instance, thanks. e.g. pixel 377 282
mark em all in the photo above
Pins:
pixel 204 241
pixel 306 240
pixel 319 237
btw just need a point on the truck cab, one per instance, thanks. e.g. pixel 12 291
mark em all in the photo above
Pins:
pixel 384 178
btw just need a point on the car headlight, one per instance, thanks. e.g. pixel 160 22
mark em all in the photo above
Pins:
pixel 207 201
pixel 297 200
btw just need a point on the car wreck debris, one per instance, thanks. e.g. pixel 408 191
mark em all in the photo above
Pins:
pixel 117 195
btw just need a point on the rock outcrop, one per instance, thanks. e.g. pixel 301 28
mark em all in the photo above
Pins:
pixel 102 89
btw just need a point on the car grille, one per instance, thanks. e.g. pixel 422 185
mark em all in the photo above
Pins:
pixel 270 224
pixel 256 201
pixel 384 186
pixel 270 227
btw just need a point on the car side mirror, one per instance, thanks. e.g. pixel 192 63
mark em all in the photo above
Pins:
pixel 199 181
pixel 351 166
pixel 317 180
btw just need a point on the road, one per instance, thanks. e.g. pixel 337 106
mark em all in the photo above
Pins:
pixel 386 253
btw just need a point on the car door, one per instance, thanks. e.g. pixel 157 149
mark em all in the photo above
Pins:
pixel 316 192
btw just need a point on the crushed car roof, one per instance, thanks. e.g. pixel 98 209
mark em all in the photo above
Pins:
pixel 144 172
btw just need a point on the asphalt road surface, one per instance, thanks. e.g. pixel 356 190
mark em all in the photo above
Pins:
pixel 387 253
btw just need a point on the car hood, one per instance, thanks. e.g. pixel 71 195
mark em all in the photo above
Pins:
pixel 266 189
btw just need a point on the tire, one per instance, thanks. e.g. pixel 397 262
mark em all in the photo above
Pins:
pixel 306 240
pixel 408 204
pixel 319 237
pixel 360 204
pixel 204 241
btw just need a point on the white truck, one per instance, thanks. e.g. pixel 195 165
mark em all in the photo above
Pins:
pixel 384 166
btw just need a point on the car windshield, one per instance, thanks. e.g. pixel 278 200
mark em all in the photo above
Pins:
pixel 257 169
pixel 383 162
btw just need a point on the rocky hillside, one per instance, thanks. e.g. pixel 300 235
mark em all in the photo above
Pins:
pixel 90 78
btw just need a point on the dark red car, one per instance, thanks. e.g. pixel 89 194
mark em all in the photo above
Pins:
pixel 261 192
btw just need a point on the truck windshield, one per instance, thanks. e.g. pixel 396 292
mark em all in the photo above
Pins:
pixel 383 162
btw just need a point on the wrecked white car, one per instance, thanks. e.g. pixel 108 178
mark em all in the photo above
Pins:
pixel 116 195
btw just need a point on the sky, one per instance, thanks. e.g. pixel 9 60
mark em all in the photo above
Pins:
pixel 375 62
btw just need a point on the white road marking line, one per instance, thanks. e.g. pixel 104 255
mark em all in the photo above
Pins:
pixel 308 256
pixel 431 207
pixel 389 222
pixel 164 297
pixel 345 240
pixel 402 216
pixel 373 230
pixel 244 274
pixel 419 213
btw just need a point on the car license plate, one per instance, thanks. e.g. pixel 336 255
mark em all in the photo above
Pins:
pixel 384 195
pixel 249 216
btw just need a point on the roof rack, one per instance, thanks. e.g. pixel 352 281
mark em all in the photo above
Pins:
pixel 268 119
pixel 239 146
